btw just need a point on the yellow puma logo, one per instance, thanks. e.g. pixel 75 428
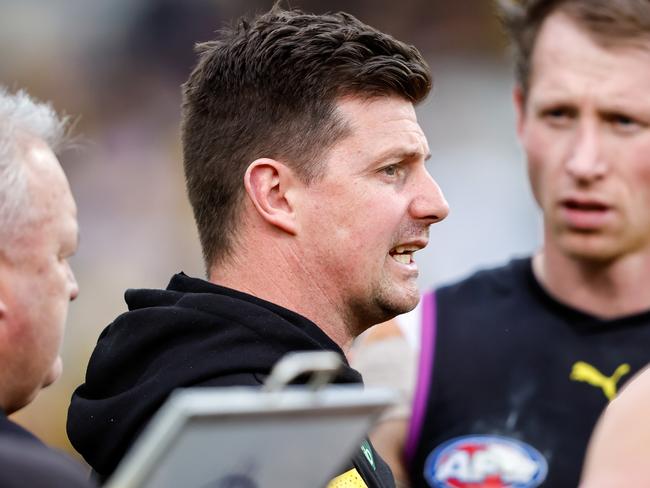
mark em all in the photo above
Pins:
pixel 582 371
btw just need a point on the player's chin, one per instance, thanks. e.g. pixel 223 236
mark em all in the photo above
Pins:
pixel 594 249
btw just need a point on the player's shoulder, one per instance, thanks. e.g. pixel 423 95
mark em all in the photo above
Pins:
pixel 489 284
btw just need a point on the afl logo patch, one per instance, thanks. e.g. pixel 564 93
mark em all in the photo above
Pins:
pixel 485 461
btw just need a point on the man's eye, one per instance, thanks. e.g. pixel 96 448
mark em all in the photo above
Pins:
pixel 558 113
pixel 622 121
pixel 391 170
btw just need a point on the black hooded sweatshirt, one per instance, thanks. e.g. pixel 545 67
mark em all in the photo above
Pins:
pixel 194 333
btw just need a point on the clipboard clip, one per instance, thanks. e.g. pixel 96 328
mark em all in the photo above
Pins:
pixel 321 365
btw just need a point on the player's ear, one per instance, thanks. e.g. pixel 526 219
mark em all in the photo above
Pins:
pixel 269 185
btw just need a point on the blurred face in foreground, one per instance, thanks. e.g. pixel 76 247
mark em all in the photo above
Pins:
pixel 371 211
pixel 585 127
pixel 36 282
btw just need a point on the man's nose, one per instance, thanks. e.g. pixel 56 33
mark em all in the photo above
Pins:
pixel 74 286
pixel 585 162
pixel 429 203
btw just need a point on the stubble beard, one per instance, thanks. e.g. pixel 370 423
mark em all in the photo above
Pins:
pixel 388 300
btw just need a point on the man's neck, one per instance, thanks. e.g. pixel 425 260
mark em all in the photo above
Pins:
pixel 282 280
pixel 608 290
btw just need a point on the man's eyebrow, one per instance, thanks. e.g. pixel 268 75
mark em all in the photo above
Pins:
pixel 417 154
pixel 406 154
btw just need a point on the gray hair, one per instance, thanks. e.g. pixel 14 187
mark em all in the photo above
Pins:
pixel 20 115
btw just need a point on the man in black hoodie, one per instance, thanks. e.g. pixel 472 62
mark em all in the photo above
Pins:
pixel 305 167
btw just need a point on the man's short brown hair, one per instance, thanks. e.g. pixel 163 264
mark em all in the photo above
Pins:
pixel 607 21
pixel 268 87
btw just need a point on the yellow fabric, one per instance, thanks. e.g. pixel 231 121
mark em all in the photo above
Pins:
pixel 349 479
pixel 582 371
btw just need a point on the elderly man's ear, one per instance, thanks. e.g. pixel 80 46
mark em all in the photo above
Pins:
pixel 272 188
pixel 4 322
pixel 3 298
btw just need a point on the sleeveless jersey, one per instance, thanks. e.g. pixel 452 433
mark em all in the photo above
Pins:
pixel 512 382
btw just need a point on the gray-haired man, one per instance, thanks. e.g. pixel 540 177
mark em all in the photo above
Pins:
pixel 38 233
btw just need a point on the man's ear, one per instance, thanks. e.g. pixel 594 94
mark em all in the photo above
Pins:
pixel 519 100
pixel 5 279
pixel 270 185
pixel 3 315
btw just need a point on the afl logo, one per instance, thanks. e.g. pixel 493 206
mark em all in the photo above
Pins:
pixel 484 461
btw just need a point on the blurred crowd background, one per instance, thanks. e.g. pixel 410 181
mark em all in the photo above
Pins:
pixel 116 67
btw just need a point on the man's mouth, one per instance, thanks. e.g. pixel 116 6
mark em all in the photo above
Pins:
pixel 586 214
pixel 585 205
pixel 403 254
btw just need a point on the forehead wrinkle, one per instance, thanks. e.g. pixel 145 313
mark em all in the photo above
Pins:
pixel 595 69
pixel 415 144
pixel 617 95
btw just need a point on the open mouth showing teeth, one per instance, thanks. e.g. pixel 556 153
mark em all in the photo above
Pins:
pixel 403 254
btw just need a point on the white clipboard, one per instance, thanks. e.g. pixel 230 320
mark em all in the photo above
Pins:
pixel 243 437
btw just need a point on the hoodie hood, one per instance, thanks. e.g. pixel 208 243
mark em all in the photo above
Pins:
pixel 194 333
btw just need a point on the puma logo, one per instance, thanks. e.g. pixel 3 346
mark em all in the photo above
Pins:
pixel 585 372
